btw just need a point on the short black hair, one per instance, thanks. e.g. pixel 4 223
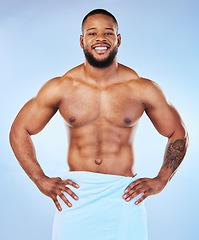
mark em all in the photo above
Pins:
pixel 99 11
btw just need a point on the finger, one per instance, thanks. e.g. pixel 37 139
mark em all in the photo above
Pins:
pixel 71 193
pixel 132 185
pixel 144 196
pixel 135 188
pixel 70 182
pixel 63 197
pixel 133 193
pixel 56 202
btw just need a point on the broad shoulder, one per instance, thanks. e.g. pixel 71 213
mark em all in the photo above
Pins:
pixel 56 86
pixel 148 85
pixel 49 94
pixel 131 76
pixel 145 89
pixel 50 88
pixel 134 79
pixel 151 92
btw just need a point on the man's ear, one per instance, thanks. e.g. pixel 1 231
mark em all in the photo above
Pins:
pixel 119 40
pixel 81 41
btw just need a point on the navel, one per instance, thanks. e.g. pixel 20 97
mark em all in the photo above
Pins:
pixel 71 119
pixel 127 120
pixel 98 161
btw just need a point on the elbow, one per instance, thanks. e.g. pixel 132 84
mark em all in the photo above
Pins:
pixel 185 134
pixel 186 138
pixel 16 133
pixel 181 133
pixel 11 134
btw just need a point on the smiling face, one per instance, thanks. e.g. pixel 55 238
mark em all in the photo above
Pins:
pixel 100 40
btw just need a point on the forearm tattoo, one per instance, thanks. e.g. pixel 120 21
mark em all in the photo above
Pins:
pixel 174 154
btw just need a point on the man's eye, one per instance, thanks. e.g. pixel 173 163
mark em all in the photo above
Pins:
pixel 108 33
pixel 91 33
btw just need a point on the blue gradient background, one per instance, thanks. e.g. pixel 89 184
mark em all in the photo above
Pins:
pixel 39 40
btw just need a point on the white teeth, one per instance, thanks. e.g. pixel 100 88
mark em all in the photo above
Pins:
pixel 101 48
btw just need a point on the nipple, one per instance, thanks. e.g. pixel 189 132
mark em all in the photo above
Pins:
pixel 98 161
pixel 127 120
pixel 72 119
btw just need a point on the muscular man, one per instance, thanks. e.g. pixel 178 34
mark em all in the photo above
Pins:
pixel 101 102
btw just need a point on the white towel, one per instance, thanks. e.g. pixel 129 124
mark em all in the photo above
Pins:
pixel 100 213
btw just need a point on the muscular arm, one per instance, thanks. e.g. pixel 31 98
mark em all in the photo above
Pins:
pixel 168 123
pixel 31 120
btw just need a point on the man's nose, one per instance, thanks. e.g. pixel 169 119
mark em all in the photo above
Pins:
pixel 100 37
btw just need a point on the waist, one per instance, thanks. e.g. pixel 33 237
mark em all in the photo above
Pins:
pixel 100 188
pixel 97 182
pixel 95 177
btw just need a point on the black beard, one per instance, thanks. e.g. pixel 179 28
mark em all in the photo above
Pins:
pixel 103 63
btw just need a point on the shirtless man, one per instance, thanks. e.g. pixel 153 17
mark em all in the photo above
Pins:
pixel 101 102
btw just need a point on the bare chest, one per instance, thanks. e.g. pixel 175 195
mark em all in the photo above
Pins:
pixel 118 106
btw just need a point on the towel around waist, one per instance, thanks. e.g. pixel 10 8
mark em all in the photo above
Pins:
pixel 100 212
pixel 96 186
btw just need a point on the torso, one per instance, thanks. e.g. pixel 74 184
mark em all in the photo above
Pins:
pixel 102 122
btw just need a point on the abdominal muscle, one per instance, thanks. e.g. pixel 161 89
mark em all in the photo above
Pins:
pixel 102 150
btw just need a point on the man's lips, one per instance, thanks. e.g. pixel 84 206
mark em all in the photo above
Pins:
pixel 101 48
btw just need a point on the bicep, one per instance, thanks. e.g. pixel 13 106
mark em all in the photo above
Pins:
pixel 165 119
pixel 34 116
pixel 163 115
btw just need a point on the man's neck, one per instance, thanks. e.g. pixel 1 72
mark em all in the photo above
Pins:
pixel 101 76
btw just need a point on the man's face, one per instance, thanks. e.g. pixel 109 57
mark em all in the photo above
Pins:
pixel 100 40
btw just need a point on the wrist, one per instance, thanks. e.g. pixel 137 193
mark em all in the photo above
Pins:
pixel 37 177
pixel 162 179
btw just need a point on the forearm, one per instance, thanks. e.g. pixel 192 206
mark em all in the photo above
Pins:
pixel 174 155
pixel 24 151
